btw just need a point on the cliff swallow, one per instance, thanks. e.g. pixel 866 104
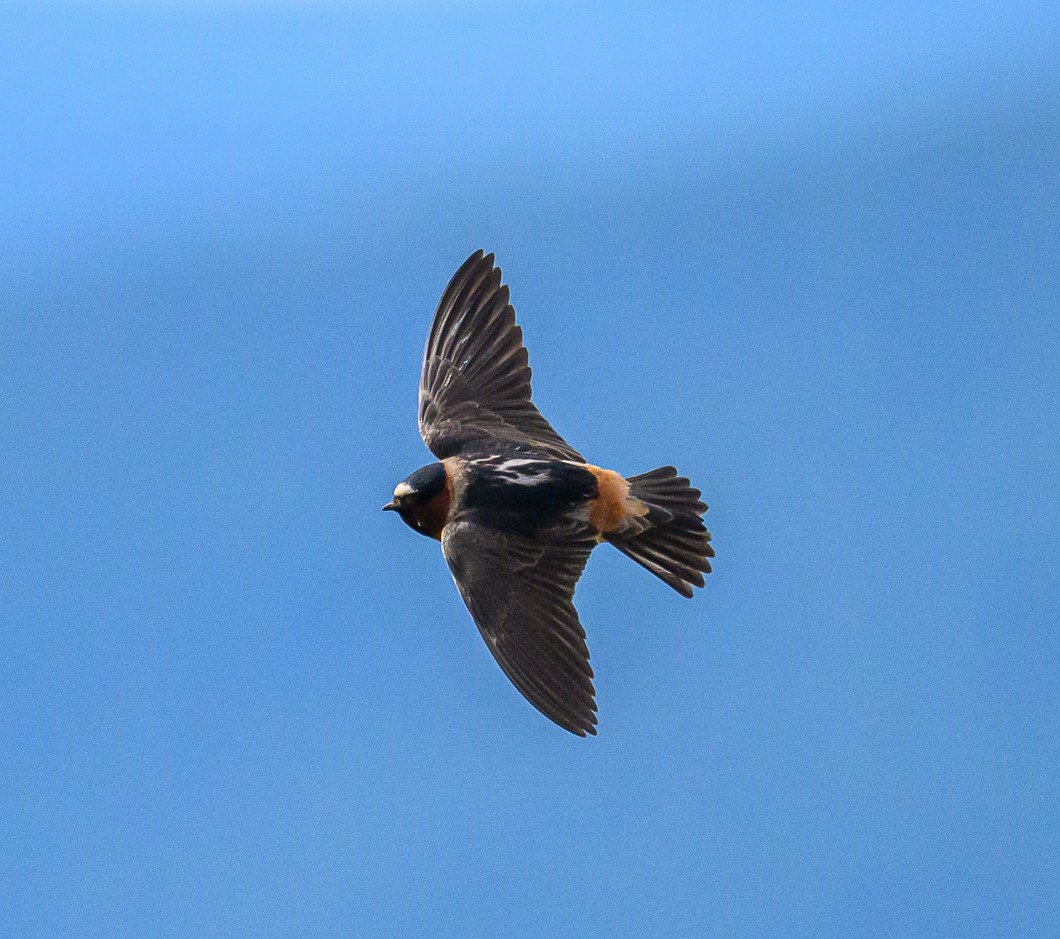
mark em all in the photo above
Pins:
pixel 518 510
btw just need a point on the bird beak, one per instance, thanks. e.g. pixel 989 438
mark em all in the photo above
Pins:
pixel 390 507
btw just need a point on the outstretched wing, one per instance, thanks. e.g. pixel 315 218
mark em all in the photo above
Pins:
pixel 520 594
pixel 476 380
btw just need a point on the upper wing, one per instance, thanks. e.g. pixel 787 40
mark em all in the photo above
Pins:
pixel 519 592
pixel 476 380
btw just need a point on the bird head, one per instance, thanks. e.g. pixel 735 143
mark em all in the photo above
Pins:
pixel 422 500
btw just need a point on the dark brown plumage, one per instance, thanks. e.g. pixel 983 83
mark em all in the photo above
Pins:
pixel 518 510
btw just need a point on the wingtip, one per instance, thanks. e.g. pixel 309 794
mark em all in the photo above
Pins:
pixel 581 723
pixel 582 730
pixel 478 258
pixel 589 724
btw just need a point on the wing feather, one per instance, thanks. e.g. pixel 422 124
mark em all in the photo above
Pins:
pixel 475 384
pixel 520 593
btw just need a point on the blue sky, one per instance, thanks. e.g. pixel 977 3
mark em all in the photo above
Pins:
pixel 807 253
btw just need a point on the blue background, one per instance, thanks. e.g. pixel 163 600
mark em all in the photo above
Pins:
pixel 808 253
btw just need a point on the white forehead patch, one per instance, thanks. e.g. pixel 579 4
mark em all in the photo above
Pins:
pixel 402 489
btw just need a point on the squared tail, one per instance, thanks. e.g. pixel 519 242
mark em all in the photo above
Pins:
pixel 675 545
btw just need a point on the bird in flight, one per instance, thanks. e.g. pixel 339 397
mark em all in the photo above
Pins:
pixel 518 509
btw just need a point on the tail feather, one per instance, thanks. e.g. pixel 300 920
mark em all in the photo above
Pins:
pixel 675 544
